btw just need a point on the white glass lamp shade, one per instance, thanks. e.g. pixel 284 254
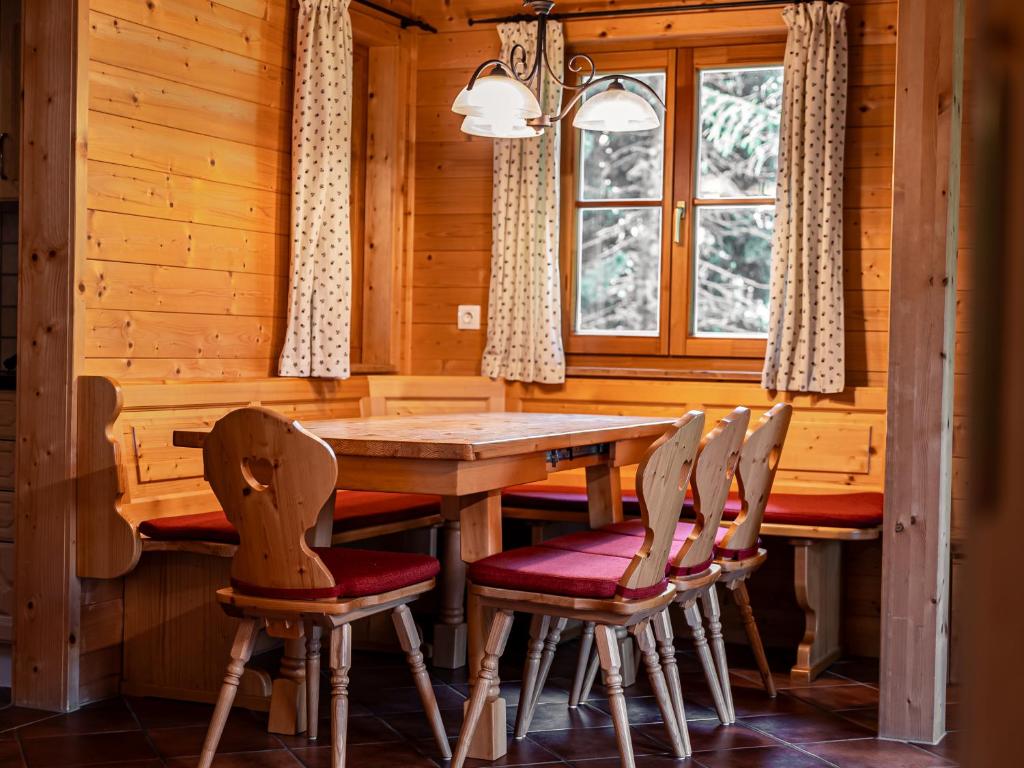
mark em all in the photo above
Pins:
pixel 511 128
pixel 616 110
pixel 497 96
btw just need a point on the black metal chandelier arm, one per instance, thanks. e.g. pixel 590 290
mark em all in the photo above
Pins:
pixel 489 63
pixel 575 68
pixel 609 79
pixel 519 58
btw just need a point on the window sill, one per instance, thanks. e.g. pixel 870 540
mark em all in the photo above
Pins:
pixel 611 372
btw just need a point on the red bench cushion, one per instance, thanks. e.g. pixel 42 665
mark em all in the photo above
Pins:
pixel 840 510
pixel 554 571
pixel 357 573
pixel 352 510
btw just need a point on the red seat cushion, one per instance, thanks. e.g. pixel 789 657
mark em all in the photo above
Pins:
pixel 839 510
pixel 352 510
pixel 831 510
pixel 622 540
pixel 554 571
pixel 357 573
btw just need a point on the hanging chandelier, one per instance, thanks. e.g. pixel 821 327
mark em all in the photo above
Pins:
pixel 505 103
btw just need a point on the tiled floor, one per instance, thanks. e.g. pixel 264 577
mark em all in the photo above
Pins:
pixel 828 723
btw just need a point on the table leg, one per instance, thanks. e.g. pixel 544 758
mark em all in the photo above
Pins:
pixel 604 495
pixel 818 589
pixel 481 536
pixel 450 632
pixel 288 699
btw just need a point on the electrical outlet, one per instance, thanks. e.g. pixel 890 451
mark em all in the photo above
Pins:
pixel 469 317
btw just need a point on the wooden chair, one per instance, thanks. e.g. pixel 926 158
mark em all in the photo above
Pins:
pixel 274 480
pixel 692 567
pixel 739 553
pixel 569 581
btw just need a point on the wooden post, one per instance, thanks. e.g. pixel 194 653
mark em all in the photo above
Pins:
pixel 47 593
pixel 926 191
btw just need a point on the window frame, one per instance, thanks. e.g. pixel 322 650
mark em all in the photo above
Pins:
pixel 590 343
pixel 676 338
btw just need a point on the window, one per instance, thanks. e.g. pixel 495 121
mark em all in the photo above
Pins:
pixel 670 249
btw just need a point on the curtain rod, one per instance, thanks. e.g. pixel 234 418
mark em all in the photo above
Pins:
pixel 731 5
pixel 406 21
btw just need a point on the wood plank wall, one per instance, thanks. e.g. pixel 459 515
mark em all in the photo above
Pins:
pixel 189 157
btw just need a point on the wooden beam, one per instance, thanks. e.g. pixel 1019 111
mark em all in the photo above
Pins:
pixel 47 592
pixel 926 191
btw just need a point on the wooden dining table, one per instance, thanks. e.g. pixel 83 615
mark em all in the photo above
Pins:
pixel 468 459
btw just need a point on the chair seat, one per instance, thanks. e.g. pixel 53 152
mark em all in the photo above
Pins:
pixel 352 510
pixel 553 570
pixel 839 510
pixel 357 573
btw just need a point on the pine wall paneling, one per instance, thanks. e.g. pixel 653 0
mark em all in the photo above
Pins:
pixel 452 244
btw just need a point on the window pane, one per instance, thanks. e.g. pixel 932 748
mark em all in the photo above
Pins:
pixel 618 271
pixel 739 132
pixel 624 166
pixel 733 264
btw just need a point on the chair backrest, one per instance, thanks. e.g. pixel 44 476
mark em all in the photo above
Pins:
pixel 272 478
pixel 661 481
pixel 755 474
pixel 712 478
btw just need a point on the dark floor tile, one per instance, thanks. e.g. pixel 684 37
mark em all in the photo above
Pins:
pixel 368 756
pixel 15 717
pixel 749 702
pixel 10 754
pixel 858 669
pixel 556 690
pixel 866 716
pixel 581 744
pixel 241 734
pixel 838 696
pixel 86 749
pixel 759 757
pixel 948 748
pixel 414 725
pixel 751 678
pixel 869 753
pixel 103 717
pixel 386 701
pixel 808 727
pixel 280 758
pixel 710 735
pixel 364 729
pixel 5 696
pixel 559 716
pixel 167 713
pixel 642 761
pixel 520 752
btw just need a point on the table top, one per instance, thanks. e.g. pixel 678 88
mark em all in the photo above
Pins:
pixel 466 436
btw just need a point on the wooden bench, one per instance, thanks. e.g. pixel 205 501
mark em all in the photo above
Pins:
pixel 810 522
pixel 133 480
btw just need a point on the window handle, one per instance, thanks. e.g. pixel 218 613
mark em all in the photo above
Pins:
pixel 677 227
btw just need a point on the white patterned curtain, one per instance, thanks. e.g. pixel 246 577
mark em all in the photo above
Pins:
pixel 806 350
pixel 320 293
pixel 524 323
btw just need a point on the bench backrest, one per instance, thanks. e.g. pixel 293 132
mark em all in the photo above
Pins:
pixel 409 395
pixel 272 478
pixel 130 470
pixel 662 479
pixel 755 474
pixel 712 478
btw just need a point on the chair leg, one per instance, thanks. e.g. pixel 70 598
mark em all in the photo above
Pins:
pixel 611 664
pixel 241 650
pixel 714 612
pixel 539 626
pixel 645 643
pixel 495 646
pixel 340 663
pixel 582 663
pixel 554 635
pixel 312 680
pixel 663 634
pixel 409 639
pixel 739 594
pixel 591 676
pixel 692 613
